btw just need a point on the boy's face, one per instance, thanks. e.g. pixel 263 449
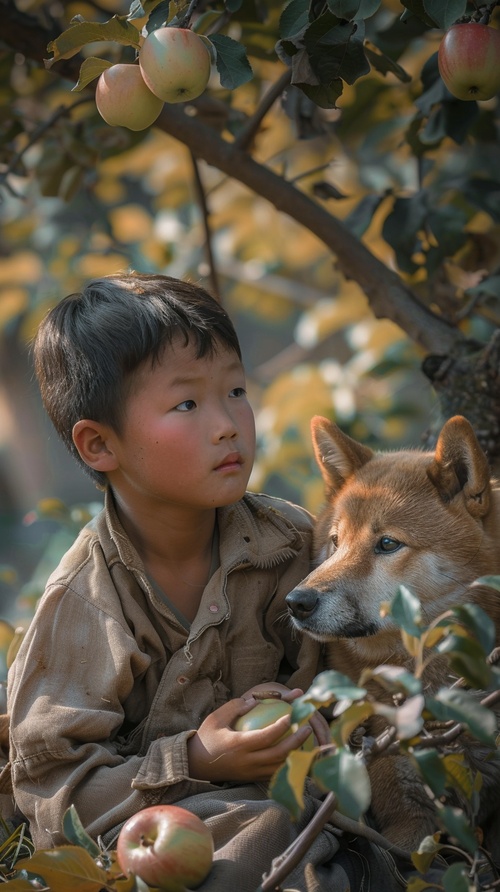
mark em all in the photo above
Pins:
pixel 188 437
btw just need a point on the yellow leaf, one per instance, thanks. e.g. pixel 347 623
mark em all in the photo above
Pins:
pixel 70 42
pixel 66 867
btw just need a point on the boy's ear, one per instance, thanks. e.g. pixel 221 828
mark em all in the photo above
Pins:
pixel 92 441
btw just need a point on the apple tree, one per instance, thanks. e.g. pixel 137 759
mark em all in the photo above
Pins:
pixel 334 114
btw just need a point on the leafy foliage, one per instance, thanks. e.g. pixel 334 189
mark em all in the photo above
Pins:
pixel 341 770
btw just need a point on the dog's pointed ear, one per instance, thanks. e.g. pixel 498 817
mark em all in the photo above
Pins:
pixel 460 465
pixel 337 455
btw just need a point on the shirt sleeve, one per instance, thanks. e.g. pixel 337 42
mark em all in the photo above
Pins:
pixel 68 690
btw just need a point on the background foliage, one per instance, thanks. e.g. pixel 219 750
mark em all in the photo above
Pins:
pixel 326 186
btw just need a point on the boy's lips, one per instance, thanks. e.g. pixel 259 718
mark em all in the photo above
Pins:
pixel 233 460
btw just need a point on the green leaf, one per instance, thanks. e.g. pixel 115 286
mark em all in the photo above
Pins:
pixel 325 96
pixel 360 218
pixel 461 706
pixel 417 8
pixel 70 42
pixel 456 878
pixel 394 679
pixel 406 611
pixel 490 285
pixel 334 52
pixel 475 619
pixel 331 685
pixel 138 9
pixel 384 64
pixel 231 61
pixel 456 824
pixel 347 777
pixel 90 69
pixel 66 867
pixel 76 834
pixel 294 19
pixel 491 581
pixel 445 12
pixel 430 766
pixel 467 658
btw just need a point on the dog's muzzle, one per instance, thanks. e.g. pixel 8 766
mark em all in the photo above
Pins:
pixel 302 603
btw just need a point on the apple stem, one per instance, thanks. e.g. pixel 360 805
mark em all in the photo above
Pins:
pixel 186 21
pixel 146 841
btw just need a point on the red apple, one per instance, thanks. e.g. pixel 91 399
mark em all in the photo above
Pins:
pixel 175 64
pixel 469 61
pixel 123 99
pixel 167 847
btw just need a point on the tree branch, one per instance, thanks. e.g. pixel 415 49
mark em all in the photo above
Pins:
pixel 387 294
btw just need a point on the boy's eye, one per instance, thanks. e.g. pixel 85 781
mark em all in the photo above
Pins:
pixel 238 391
pixel 186 406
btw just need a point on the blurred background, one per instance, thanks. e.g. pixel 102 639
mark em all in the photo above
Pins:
pixel 82 199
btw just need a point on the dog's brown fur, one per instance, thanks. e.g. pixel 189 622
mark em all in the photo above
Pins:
pixel 430 521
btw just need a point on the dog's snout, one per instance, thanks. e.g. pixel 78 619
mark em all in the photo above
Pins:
pixel 301 603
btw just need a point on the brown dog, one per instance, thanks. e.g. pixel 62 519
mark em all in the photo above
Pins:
pixel 429 521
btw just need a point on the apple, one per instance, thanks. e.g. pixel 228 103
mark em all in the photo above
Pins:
pixel 123 99
pixel 264 713
pixel 175 64
pixel 167 847
pixel 469 61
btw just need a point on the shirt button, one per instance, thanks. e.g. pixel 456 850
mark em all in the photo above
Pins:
pixel 182 679
pixel 214 608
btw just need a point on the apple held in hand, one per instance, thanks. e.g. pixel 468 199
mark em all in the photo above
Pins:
pixel 123 99
pixel 166 846
pixel 175 64
pixel 263 714
pixel 469 61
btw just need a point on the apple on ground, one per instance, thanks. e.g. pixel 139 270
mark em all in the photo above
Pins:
pixel 469 61
pixel 168 847
pixel 123 99
pixel 175 64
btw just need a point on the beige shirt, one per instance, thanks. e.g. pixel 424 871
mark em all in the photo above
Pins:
pixel 108 684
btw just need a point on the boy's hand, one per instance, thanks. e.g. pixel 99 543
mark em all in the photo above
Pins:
pixel 218 753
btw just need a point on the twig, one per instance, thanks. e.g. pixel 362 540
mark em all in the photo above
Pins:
pixel 293 854
pixel 202 200
pixel 186 20
pixel 247 133
pixel 39 131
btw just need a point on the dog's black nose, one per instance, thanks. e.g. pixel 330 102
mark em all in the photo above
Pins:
pixel 301 602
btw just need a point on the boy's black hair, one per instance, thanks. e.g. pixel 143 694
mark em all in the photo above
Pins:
pixel 89 344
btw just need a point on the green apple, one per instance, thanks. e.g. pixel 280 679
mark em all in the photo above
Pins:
pixel 266 712
pixel 175 64
pixel 469 61
pixel 263 714
pixel 123 99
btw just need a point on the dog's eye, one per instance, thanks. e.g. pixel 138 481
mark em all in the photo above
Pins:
pixel 385 545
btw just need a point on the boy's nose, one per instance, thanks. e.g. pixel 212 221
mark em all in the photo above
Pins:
pixel 225 428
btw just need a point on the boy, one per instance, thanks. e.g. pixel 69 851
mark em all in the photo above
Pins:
pixel 169 609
